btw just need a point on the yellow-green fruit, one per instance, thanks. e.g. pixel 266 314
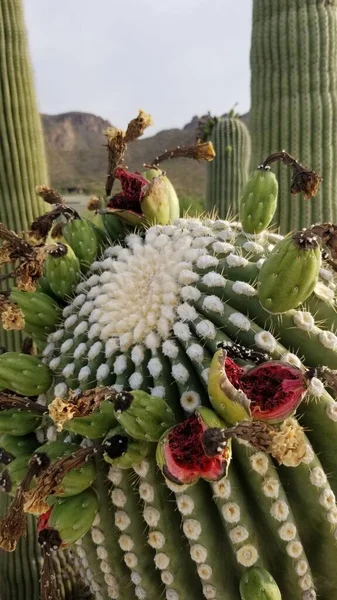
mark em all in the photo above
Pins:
pixel 160 204
pixel 96 425
pixel 290 273
pixel 229 403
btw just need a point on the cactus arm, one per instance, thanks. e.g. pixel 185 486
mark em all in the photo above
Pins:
pixel 227 174
pixel 293 88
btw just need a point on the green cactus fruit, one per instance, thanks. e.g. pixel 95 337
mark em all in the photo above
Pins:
pixel 113 226
pixel 290 273
pixel 181 455
pixel 62 270
pixel 133 451
pixel 17 446
pixel 24 374
pixel 259 200
pixel 77 480
pixel 41 312
pixel 18 423
pixel 71 517
pixel 161 205
pixel 257 584
pixel 81 236
pixel 96 425
pixel 143 417
pixel 13 474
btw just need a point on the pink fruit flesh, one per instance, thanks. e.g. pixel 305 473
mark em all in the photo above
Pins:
pixel 275 389
pixel 185 459
pixel 132 191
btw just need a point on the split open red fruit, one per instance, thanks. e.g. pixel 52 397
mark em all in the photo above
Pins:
pixel 181 455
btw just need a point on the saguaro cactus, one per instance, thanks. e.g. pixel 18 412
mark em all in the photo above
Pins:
pixel 22 157
pixel 163 354
pixel 228 172
pixel 294 98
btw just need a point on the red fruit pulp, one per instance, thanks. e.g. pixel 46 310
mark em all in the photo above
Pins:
pixel 185 458
pixel 275 389
pixel 42 522
pixel 132 191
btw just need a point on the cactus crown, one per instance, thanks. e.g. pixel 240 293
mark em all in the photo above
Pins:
pixel 179 392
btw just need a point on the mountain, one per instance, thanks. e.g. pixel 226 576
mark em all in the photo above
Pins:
pixel 77 156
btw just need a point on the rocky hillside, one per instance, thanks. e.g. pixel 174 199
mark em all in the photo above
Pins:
pixel 78 159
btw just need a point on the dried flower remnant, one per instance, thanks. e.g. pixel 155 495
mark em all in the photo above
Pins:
pixel 304 180
pixel 286 443
pixel 78 405
pixel 47 483
pixel 13 525
pixel 117 141
pixel 199 151
pixel 12 317
pixel 27 259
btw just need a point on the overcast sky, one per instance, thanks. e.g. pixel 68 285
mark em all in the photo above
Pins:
pixel 173 58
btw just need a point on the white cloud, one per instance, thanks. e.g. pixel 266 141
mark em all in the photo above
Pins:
pixel 173 58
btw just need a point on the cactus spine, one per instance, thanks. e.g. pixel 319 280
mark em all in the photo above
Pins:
pixel 294 99
pixel 228 172
pixel 23 164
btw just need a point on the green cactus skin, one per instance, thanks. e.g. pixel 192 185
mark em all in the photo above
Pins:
pixel 228 172
pixel 24 374
pixel 258 584
pixel 63 271
pixel 18 446
pixel 293 100
pixel 196 288
pixel 289 275
pixel 77 480
pixel 22 156
pixel 81 236
pixel 259 200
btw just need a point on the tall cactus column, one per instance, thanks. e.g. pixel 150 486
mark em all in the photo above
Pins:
pixel 22 157
pixel 294 98
pixel 228 172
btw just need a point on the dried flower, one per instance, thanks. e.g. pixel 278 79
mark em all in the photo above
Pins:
pixel 78 405
pixel 94 204
pixel 12 317
pixel 49 195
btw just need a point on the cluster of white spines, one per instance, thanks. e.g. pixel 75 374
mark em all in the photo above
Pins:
pixel 85 571
pixel 235 523
pixel 281 514
pixel 98 538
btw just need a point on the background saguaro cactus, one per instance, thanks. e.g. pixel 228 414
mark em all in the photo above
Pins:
pixel 22 167
pixel 228 172
pixel 22 158
pixel 294 98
